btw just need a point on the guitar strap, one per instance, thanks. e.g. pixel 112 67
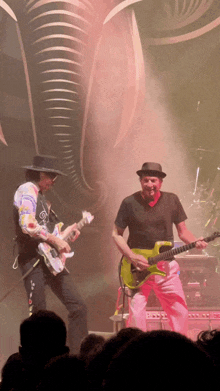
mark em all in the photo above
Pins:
pixel 54 216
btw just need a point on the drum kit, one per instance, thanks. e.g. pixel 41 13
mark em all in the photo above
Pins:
pixel 204 202
pixel 200 271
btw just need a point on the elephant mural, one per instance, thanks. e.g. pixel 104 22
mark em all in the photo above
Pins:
pixel 60 43
pixel 52 55
pixel 75 89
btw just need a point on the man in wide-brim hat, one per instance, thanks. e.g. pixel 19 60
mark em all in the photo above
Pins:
pixel 36 223
pixel 44 170
pixel 150 215
pixel 45 163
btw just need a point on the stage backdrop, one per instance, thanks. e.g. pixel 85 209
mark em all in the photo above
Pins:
pixel 106 86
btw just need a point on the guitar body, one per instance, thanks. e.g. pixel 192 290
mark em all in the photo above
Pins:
pixel 52 259
pixel 134 278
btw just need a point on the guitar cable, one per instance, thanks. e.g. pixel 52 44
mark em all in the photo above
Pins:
pixel 122 285
pixel 21 279
pixel 123 289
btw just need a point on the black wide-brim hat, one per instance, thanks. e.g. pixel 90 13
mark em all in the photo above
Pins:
pixel 152 169
pixel 45 163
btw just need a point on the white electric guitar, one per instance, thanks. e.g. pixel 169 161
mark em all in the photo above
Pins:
pixel 52 258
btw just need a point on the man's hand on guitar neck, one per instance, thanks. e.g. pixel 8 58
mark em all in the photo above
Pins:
pixel 201 244
pixel 71 232
pixel 187 236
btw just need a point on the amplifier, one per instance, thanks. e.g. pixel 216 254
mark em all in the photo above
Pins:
pixel 199 320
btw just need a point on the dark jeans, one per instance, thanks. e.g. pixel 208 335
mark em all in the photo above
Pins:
pixel 63 287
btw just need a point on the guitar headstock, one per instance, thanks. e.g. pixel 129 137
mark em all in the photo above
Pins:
pixel 215 234
pixel 87 217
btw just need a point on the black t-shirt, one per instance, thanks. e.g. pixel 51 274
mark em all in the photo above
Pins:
pixel 147 224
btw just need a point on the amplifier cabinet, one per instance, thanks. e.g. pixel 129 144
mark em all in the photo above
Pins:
pixel 199 320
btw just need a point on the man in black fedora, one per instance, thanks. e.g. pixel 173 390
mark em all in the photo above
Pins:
pixel 149 215
pixel 36 223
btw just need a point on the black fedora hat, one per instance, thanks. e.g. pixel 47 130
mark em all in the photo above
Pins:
pixel 153 169
pixel 45 163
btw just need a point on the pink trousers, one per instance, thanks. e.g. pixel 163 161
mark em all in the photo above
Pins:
pixel 171 296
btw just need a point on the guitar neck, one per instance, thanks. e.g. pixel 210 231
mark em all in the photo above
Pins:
pixel 79 225
pixel 170 253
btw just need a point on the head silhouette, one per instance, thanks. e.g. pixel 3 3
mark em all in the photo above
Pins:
pixel 42 336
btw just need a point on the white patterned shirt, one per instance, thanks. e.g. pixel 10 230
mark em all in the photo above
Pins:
pixel 25 200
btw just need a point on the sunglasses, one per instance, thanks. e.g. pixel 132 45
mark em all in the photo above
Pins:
pixel 52 176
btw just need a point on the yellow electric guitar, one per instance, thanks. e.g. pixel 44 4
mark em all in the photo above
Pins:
pixel 133 278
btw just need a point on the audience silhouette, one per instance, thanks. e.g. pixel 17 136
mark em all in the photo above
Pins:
pixel 131 359
pixel 66 373
pixel 157 360
pixel 98 366
pixel 90 346
pixel 13 376
pixel 209 341
pixel 42 336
